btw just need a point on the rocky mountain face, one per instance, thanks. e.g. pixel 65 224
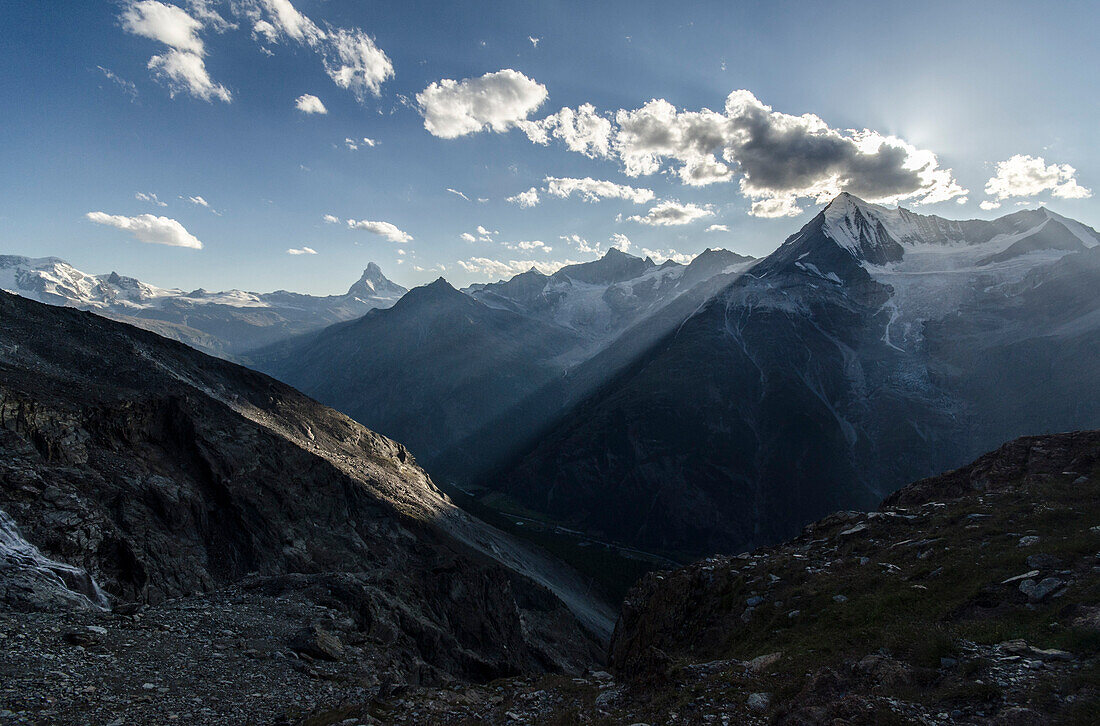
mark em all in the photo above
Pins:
pixel 142 467
pixel 427 371
pixel 226 324
pixel 967 598
pixel 495 443
pixel 465 378
pixel 601 299
pixel 873 347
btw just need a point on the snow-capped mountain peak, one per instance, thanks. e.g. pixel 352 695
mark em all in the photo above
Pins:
pixel 1089 237
pixel 373 284
pixel 217 322
pixel 858 227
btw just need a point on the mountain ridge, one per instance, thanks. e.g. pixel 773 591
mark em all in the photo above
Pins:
pixel 826 375
pixel 227 323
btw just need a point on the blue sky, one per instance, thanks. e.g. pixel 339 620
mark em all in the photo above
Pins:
pixel 88 124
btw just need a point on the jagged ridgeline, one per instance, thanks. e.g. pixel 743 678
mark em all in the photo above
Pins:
pixel 226 324
pixel 683 410
pixel 874 347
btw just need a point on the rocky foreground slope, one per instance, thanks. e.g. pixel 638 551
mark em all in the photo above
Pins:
pixel 185 538
pixel 968 598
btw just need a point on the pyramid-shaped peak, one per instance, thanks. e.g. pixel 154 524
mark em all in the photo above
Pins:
pixel 373 283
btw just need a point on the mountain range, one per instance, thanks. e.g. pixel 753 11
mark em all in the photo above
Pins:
pixel 192 538
pixel 875 346
pixel 226 324
pixel 723 404
pixel 445 365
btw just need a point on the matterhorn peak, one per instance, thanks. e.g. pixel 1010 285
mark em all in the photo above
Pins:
pixel 372 283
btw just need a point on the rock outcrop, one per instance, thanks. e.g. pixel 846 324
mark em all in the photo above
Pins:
pixel 931 610
pixel 163 473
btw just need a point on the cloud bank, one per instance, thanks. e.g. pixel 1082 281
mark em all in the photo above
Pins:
pixel 777 159
pixel 1027 176
pixel 149 229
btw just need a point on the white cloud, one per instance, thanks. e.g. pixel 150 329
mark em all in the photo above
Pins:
pixel 525 199
pixel 274 19
pixel 494 101
pixel 331 219
pixel 962 200
pixel 149 228
pixel 529 245
pixel 308 103
pixel 202 11
pixel 199 201
pixel 354 144
pixel 620 242
pixel 151 198
pixel 458 193
pixel 127 87
pixel 989 206
pixel 656 131
pixel 778 158
pixel 382 229
pixel 181 68
pixel 301 251
pixel 1026 176
pixel 672 213
pixel 508 268
pixel 534 40
pixel 186 73
pixel 354 62
pixel 583 246
pixel 483 235
pixel 770 207
pixel 718 228
pixel 593 190
pixel 351 57
pixel 165 24
pixel 660 256
pixel 583 131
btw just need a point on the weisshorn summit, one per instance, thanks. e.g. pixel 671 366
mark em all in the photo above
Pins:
pixel 723 404
pixel 875 346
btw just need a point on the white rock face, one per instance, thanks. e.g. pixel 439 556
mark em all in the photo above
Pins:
pixel 31 581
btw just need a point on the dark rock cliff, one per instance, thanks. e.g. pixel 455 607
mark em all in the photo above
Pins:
pixel 165 473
